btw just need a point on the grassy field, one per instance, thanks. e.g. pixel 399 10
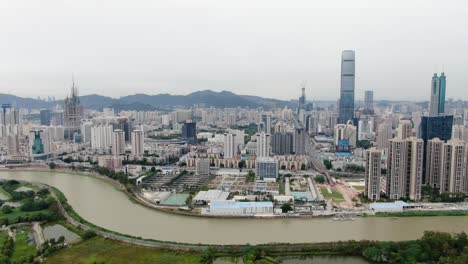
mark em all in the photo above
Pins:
pixel 335 195
pixel 3 237
pixel 100 250
pixel 4 195
pixel 17 212
pixel 23 250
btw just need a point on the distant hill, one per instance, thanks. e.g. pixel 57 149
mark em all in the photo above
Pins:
pixel 147 102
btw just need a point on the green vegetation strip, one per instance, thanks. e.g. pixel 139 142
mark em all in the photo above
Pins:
pixel 421 213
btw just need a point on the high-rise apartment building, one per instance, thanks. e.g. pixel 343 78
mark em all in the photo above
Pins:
pixel 373 173
pixel 300 135
pixel 138 142
pixel 434 162
pixel 405 129
pixel 453 170
pixel 46 116
pixel 384 134
pixel 405 168
pixel 438 86
pixel 263 144
pixel 118 142
pixel 13 147
pixel 101 136
pixel 346 106
pixel 282 143
pixel 229 146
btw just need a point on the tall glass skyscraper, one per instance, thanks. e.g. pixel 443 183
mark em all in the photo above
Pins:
pixel 438 86
pixel 347 87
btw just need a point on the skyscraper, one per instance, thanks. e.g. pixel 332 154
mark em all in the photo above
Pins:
pixel 72 113
pixel 405 168
pixel 405 129
pixel 346 108
pixel 438 84
pixel 384 134
pixel 302 100
pixel 373 173
pixel 369 102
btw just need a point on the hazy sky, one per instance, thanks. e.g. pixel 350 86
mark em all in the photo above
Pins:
pixel 265 48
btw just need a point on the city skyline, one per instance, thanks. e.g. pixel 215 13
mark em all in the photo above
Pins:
pixel 149 49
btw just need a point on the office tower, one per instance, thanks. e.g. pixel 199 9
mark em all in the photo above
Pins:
pixel 369 102
pixel 266 168
pixel 72 113
pixel 302 100
pixel 101 136
pixel 229 146
pixel 373 173
pixel 345 136
pixel 366 128
pixel 46 116
pixel 453 171
pixel 203 167
pixel 13 147
pixel 263 144
pixel 138 142
pixel 435 127
pixel 282 143
pixel 35 142
pixel 437 105
pixel 405 129
pixel 118 142
pixel 86 131
pixel 299 140
pixel 189 132
pixel 266 121
pixel 405 168
pixel 434 162
pixel 384 134
pixel 125 125
pixel 346 106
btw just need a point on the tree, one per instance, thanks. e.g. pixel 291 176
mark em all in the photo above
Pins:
pixel 319 179
pixel 328 165
pixel 286 208
pixel 241 164
pixel 52 165
pixel 303 167
pixel 7 209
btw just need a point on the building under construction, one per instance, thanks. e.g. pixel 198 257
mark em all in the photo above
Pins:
pixel 72 114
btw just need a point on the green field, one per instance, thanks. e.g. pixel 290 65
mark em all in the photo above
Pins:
pixel 23 250
pixel 335 196
pixel 17 213
pixel 101 250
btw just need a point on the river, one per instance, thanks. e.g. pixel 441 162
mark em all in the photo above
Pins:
pixel 101 204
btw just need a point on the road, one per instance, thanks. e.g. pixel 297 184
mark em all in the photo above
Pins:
pixel 317 164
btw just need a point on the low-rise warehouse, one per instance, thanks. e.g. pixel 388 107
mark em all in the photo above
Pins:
pixel 240 208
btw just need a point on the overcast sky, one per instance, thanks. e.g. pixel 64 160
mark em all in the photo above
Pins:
pixel 265 48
